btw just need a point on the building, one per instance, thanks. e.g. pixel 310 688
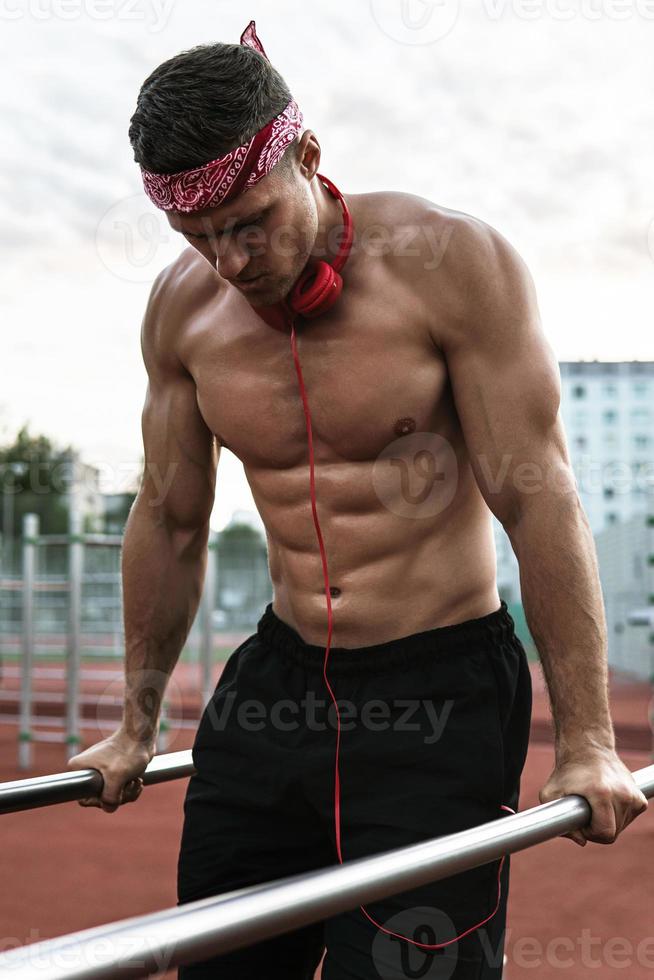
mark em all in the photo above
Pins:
pixel 625 552
pixel 608 414
pixel 607 409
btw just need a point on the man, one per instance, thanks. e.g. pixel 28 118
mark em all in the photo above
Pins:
pixel 434 399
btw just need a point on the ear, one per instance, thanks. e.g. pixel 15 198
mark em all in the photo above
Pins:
pixel 308 154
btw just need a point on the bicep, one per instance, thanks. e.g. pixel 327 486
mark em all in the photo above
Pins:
pixel 506 384
pixel 180 453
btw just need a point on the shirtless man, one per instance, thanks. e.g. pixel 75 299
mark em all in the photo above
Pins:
pixel 430 373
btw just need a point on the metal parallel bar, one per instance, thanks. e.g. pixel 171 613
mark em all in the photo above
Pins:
pixel 138 946
pixel 63 787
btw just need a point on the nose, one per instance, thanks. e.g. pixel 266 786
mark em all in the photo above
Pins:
pixel 230 260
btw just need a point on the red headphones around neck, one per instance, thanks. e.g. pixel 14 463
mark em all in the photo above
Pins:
pixel 321 284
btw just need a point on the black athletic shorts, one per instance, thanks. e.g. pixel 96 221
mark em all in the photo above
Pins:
pixel 434 734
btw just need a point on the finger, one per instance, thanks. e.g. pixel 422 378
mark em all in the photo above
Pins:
pixel 138 789
pixel 109 806
pixel 641 804
pixel 603 825
pixel 636 806
pixel 110 800
pixel 132 791
pixel 624 816
pixel 128 794
pixel 577 837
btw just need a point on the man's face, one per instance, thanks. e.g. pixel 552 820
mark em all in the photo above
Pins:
pixel 265 235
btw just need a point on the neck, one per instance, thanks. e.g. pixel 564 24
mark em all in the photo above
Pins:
pixel 330 222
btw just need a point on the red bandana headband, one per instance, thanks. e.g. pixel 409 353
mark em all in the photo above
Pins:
pixel 223 179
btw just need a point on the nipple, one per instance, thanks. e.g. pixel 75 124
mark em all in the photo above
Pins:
pixel 404 426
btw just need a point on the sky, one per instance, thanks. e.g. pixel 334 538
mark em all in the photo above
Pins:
pixel 533 115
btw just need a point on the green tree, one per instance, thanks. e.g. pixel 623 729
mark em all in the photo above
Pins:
pixel 35 474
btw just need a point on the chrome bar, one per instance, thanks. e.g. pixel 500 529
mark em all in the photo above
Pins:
pixel 75 784
pixel 138 946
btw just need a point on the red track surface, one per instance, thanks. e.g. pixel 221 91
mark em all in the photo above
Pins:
pixel 573 912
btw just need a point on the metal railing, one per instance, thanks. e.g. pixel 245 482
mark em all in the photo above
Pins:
pixel 76 784
pixel 83 571
pixel 138 946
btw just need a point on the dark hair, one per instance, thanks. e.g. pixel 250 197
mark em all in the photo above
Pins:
pixel 203 103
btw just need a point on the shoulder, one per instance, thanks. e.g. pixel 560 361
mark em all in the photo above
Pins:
pixel 490 290
pixel 451 239
pixel 400 220
pixel 455 263
pixel 428 241
pixel 466 270
pixel 179 290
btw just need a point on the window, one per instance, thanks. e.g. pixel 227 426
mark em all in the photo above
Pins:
pixel 611 517
pixel 610 390
pixel 643 476
pixel 579 391
pixel 641 441
pixel 580 442
pixel 610 415
pixel 609 493
pixel 641 389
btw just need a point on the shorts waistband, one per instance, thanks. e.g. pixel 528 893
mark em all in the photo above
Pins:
pixel 492 630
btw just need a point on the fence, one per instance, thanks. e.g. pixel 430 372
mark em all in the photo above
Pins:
pixel 67 607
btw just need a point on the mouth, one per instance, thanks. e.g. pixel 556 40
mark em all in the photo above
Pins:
pixel 249 284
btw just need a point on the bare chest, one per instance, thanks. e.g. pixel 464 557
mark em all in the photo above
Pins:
pixel 370 372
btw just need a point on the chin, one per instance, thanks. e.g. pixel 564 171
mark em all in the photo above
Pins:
pixel 271 295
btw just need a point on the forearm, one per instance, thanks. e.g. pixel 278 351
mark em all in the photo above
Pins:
pixel 163 571
pixel 564 609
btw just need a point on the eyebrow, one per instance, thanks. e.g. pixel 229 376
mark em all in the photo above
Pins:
pixel 237 222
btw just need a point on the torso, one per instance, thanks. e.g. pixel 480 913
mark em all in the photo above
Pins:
pixel 408 537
